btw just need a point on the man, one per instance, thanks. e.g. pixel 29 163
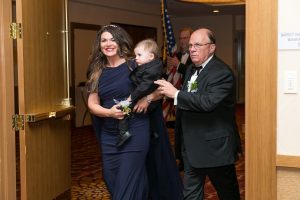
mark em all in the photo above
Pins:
pixel 180 61
pixel 210 138
pixel 176 67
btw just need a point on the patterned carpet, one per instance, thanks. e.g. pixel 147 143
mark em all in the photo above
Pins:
pixel 87 179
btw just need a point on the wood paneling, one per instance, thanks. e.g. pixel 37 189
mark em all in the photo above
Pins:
pixel 7 135
pixel 138 33
pixel 48 159
pixel 44 145
pixel 43 51
pixel 288 183
pixel 261 95
pixel 288 161
pixel 224 2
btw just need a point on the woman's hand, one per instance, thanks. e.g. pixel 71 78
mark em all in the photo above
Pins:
pixel 98 110
pixel 116 112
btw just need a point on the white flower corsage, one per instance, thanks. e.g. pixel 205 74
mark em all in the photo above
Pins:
pixel 192 84
pixel 124 106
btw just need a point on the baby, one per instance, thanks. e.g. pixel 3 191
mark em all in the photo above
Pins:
pixel 149 69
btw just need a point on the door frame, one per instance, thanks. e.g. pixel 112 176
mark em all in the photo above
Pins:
pixel 81 26
pixel 261 50
pixel 7 134
pixel 261 99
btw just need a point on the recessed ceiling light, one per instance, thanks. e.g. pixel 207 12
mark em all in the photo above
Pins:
pixel 216 11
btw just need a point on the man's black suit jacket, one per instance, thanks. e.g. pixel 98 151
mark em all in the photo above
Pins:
pixel 210 133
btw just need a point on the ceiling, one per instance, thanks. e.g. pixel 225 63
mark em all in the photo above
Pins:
pixel 180 9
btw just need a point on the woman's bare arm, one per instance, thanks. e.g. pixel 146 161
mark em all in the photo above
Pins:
pixel 96 109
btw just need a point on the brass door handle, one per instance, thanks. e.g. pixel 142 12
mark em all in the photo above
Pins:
pixel 59 112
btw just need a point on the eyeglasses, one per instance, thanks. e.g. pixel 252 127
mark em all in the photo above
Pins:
pixel 197 45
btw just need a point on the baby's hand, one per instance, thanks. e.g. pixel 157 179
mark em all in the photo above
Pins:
pixel 141 105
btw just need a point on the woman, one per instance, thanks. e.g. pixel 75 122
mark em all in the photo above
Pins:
pixel 124 168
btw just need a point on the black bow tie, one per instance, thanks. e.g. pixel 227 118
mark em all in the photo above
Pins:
pixel 196 69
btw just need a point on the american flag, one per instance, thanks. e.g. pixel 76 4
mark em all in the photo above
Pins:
pixel 170 47
pixel 169 39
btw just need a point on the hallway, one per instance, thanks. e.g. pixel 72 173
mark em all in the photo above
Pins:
pixel 87 179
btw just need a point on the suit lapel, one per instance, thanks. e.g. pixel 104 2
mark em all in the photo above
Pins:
pixel 205 69
pixel 200 76
pixel 188 77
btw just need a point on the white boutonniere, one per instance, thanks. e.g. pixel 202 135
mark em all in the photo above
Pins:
pixel 194 87
pixel 192 84
pixel 124 106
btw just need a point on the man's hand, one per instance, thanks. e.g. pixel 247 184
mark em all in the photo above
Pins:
pixel 172 62
pixel 166 88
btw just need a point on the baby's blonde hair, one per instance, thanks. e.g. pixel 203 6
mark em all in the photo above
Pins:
pixel 149 45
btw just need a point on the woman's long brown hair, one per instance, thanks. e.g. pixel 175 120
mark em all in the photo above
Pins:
pixel 97 60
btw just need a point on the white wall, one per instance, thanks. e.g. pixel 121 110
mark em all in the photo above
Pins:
pixel 288 105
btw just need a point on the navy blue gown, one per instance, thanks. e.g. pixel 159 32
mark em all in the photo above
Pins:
pixel 124 169
pixel 164 179
pixel 163 174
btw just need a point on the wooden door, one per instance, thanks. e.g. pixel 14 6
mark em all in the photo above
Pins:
pixel 7 136
pixel 45 160
pixel 261 99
